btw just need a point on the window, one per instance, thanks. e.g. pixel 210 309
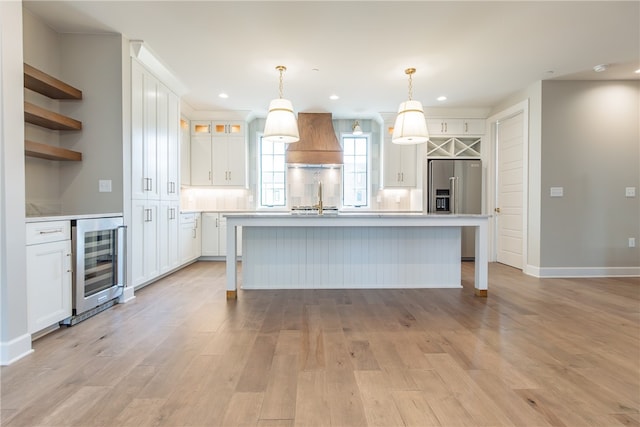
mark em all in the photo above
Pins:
pixel 355 175
pixel 272 173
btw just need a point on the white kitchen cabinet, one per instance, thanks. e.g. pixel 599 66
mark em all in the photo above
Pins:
pixel 155 169
pixel 154 137
pixel 49 273
pixel 145 232
pixel 214 235
pixel 190 237
pixel 400 164
pixel 169 229
pixel 456 126
pixel 218 154
pixel 168 143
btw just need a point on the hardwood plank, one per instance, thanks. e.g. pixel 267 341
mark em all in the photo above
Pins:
pixel 243 409
pixel 379 406
pixel 279 401
pixel 256 370
pixel 72 410
pixel 414 409
pixel 312 404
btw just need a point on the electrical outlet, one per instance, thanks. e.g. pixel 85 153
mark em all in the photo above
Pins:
pixel 632 242
pixel 104 186
pixel 630 192
pixel 556 191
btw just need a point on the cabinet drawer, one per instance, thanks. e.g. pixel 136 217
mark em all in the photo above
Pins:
pixel 51 231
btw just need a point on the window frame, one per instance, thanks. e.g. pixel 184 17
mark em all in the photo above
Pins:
pixel 367 136
pixel 259 183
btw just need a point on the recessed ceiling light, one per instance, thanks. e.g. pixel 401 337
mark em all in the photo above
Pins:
pixel 600 68
pixel 334 97
pixel 223 95
pixel 441 98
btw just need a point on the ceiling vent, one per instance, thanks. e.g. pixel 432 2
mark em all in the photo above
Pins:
pixel 318 143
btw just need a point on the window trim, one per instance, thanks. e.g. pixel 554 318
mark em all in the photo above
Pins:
pixel 366 135
pixel 259 188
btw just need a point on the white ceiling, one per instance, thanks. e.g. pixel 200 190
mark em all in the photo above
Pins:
pixel 475 53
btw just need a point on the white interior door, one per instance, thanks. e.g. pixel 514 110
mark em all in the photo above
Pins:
pixel 510 186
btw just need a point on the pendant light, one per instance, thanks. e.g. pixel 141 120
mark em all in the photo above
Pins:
pixel 410 126
pixel 281 124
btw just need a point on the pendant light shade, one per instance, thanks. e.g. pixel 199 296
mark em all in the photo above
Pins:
pixel 281 124
pixel 410 126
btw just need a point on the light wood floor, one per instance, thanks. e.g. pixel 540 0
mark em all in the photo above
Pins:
pixel 536 352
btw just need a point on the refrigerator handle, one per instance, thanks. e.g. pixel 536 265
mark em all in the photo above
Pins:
pixel 431 205
pixel 453 194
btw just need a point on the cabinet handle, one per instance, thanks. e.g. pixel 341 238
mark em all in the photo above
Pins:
pixel 193 233
pixel 402 175
pixel 148 215
pixel 466 127
pixel 446 129
pixel 442 127
pixel 209 175
pixel 57 230
pixel 217 223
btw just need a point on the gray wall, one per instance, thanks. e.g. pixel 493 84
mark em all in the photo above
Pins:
pixel 93 64
pixel 591 147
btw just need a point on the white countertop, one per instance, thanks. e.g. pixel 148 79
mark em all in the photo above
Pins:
pixel 70 217
pixel 356 219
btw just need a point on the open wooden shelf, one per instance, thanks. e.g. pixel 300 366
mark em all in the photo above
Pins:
pixel 49 152
pixel 43 83
pixel 49 119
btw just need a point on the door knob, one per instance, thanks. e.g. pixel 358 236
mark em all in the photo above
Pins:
pixel 497 210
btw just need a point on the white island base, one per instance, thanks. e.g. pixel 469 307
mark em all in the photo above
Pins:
pixel 363 251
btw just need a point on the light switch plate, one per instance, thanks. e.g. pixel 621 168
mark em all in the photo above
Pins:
pixel 630 192
pixel 104 186
pixel 556 192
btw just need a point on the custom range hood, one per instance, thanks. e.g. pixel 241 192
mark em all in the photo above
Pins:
pixel 318 144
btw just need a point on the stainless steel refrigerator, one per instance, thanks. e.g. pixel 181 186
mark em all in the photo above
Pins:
pixel 455 187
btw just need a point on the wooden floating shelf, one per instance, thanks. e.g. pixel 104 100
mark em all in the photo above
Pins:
pixel 48 119
pixel 43 83
pixel 49 152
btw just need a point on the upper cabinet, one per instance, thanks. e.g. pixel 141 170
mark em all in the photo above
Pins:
pixel 456 126
pixel 460 138
pixel 49 86
pixel 400 163
pixel 155 138
pixel 218 153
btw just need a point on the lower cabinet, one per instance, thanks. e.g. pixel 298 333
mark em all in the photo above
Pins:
pixel 48 273
pixel 189 235
pixel 145 232
pixel 214 235
pixel 169 230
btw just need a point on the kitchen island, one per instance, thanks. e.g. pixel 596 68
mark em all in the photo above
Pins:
pixel 353 250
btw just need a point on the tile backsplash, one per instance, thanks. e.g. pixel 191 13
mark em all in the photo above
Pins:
pixel 302 186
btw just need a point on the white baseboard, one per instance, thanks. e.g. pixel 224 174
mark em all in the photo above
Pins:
pixel 559 272
pixel 17 348
pixel 127 295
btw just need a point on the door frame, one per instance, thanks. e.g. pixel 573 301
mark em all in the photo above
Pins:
pixel 492 190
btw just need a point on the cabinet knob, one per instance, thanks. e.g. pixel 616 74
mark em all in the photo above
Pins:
pixel 497 210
